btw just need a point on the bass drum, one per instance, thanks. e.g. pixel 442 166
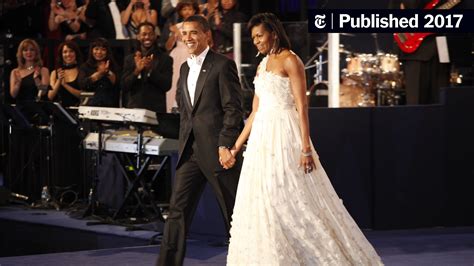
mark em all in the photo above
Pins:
pixel 350 94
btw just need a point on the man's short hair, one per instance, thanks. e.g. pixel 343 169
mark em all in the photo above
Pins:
pixel 201 21
pixel 146 23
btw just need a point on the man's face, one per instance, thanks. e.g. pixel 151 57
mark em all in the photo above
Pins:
pixel 194 37
pixel 146 37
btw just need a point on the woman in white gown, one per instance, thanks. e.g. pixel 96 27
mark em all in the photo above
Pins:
pixel 286 210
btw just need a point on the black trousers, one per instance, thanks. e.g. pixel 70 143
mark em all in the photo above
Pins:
pixel 190 181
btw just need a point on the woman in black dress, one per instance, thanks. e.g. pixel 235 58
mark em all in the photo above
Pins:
pixel 30 76
pixel 64 79
pixel 99 74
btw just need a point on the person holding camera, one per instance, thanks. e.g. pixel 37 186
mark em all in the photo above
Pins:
pixel 137 12
pixel 66 16
pixel 222 22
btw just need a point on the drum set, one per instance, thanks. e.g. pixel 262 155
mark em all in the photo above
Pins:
pixel 367 79
pixel 372 80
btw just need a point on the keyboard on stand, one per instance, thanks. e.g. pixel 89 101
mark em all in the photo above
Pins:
pixel 126 115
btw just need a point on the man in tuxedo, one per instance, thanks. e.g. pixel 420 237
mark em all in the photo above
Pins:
pixel 209 101
pixel 424 74
pixel 147 73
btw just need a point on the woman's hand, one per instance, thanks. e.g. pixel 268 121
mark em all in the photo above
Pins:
pixel 307 162
pixel 36 72
pixel 16 78
pixel 61 75
pixel 226 159
pixel 217 17
pixel 234 150
pixel 103 67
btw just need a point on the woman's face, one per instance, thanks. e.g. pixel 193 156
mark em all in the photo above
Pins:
pixel 228 4
pixel 69 55
pixel 186 11
pixel 29 53
pixel 262 39
pixel 99 53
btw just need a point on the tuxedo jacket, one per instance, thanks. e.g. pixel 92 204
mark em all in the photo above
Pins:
pixel 215 117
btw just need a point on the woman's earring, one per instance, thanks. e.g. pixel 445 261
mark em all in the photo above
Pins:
pixel 273 50
pixel 258 54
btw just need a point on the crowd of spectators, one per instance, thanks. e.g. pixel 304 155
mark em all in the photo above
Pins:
pixel 98 23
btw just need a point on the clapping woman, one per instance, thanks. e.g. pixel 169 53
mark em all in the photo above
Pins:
pixel 99 75
pixel 30 79
pixel 64 80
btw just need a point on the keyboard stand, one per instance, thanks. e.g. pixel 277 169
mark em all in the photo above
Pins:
pixel 137 185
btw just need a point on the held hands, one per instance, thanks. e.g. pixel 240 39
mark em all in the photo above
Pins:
pixel 226 158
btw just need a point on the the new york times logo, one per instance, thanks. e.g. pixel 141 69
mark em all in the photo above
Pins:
pixel 320 21
pixel 386 20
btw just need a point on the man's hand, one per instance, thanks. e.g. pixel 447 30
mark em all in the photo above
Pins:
pixel 147 62
pixel 140 62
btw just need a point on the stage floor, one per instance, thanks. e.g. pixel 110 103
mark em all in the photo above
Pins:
pixel 113 245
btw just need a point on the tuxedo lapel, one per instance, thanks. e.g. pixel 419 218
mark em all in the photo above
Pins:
pixel 187 98
pixel 205 69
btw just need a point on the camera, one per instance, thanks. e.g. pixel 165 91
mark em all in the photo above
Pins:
pixel 60 4
pixel 139 4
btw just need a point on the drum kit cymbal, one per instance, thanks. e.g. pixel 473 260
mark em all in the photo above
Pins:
pixel 367 79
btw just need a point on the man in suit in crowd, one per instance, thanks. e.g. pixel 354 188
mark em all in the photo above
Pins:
pixel 147 73
pixel 209 101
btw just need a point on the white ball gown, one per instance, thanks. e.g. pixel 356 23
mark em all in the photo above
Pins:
pixel 283 216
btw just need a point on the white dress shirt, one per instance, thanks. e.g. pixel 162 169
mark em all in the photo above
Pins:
pixel 195 64
pixel 114 11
